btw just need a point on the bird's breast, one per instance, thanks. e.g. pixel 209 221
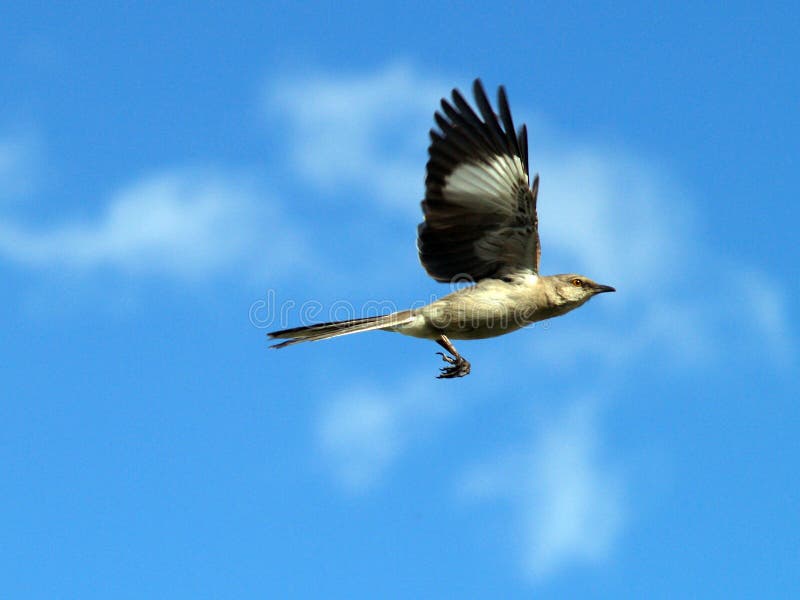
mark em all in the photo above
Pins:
pixel 488 309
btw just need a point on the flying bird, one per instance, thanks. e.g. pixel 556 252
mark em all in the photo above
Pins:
pixel 480 225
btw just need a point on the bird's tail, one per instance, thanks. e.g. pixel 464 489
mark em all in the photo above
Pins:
pixel 323 331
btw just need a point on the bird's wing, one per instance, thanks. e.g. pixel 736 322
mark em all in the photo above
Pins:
pixel 480 213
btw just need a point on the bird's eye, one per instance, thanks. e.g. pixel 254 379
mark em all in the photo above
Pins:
pixel 577 282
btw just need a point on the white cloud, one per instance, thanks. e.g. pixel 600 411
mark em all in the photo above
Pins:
pixel 18 159
pixel 363 430
pixel 762 303
pixel 358 435
pixel 611 215
pixel 185 223
pixel 569 502
pixel 362 131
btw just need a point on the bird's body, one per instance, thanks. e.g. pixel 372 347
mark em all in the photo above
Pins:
pixel 480 225
pixel 490 308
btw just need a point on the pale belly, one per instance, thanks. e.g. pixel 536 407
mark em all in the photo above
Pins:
pixel 473 328
pixel 471 318
pixel 486 310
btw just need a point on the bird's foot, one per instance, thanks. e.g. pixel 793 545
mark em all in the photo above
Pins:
pixel 459 367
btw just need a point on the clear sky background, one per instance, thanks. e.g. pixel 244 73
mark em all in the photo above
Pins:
pixel 175 182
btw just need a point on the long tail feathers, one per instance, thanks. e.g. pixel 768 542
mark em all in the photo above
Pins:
pixel 323 331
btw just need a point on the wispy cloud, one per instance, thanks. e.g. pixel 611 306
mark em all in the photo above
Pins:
pixel 364 429
pixel 569 501
pixel 19 157
pixel 765 301
pixel 365 132
pixel 188 223
pixel 605 212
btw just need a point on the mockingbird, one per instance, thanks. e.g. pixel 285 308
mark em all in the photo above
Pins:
pixel 480 225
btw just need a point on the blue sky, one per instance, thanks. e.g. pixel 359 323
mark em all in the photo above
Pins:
pixel 174 183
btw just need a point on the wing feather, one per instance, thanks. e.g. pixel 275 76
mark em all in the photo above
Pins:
pixel 479 206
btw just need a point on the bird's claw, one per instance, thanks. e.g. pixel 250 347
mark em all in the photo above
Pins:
pixel 446 358
pixel 459 367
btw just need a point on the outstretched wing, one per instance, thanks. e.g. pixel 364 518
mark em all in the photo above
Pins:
pixel 479 207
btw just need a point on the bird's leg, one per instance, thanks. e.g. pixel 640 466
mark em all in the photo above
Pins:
pixel 459 366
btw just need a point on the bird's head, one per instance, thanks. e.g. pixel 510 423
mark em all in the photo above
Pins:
pixel 574 289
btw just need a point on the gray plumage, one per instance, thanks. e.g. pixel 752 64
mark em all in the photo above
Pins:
pixel 480 225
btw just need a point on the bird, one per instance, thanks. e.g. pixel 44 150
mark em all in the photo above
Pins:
pixel 480 225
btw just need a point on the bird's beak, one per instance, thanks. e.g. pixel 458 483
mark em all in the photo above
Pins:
pixel 599 289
